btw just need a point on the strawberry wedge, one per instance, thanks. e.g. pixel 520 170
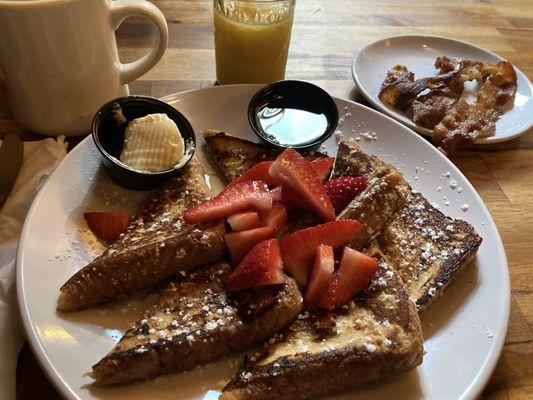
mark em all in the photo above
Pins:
pixel 328 297
pixel 240 243
pixel 322 167
pixel 277 217
pixel 321 275
pixel 295 172
pixel 242 221
pixel 341 191
pixel 107 225
pixel 258 172
pixel 289 197
pixel 299 248
pixel 356 270
pixel 242 196
pixel 262 266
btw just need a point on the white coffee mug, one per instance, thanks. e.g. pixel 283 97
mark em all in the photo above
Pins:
pixel 60 59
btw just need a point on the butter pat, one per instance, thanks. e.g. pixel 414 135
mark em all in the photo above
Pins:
pixel 152 143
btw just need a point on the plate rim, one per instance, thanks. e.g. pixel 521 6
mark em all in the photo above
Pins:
pixel 470 392
pixel 410 124
pixel 30 334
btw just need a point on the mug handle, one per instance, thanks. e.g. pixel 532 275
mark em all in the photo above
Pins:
pixel 122 9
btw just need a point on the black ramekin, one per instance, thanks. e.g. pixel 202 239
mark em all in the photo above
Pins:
pixel 295 93
pixel 108 128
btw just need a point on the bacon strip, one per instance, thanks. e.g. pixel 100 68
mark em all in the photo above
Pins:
pixel 435 102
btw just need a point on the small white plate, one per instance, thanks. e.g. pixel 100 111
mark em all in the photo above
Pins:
pixel 464 329
pixel 418 54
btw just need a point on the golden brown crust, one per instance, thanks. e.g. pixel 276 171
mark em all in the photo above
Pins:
pixel 196 321
pixel 376 336
pixel 427 248
pixel 157 245
pixel 353 161
pixel 234 156
pixel 313 378
pixel 376 206
pixel 383 197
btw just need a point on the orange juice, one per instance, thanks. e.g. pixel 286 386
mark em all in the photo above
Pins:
pixel 252 40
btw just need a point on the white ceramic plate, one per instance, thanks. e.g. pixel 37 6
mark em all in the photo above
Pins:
pixel 418 53
pixel 464 330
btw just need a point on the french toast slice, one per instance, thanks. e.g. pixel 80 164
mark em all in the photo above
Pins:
pixel 375 336
pixel 427 248
pixel 351 160
pixel 157 245
pixel 196 321
pixel 299 374
pixel 384 195
pixel 384 206
pixel 381 200
pixel 234 156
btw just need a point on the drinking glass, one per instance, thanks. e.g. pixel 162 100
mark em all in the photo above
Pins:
pixel 252 39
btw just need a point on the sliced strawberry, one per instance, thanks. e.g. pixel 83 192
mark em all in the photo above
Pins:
pixel 107 225
pixel 258 172
pixel 321 275
pixel 289 198
pixel 240 243
pixel 343 190
pixel 276 217
pixel 356 270
pixel 262 266
pixel 294 198
pixel 322 167
pixel 277 197
pixel 242 196
pixel 329 295
pixel 276 193
pixel 244 220
pixel 299 248
pixel 295 172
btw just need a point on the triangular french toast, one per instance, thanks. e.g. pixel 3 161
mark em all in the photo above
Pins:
pixel 427 248
pixel 374 336
pixel 234 156
pixel 280 373
pixel 352 161
pixel 384 196
pixel 157 245
pixel 376 206
pixel 196 321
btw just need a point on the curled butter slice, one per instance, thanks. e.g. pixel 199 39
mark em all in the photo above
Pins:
pixel 152 143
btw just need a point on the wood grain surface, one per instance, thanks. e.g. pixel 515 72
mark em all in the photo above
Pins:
pixel 325 37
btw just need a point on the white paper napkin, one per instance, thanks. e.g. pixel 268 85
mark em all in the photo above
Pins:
pixel 40 159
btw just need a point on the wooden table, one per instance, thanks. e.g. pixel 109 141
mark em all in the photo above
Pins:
pixel 325 36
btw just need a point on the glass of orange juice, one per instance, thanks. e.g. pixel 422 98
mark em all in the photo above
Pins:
pixel 252 39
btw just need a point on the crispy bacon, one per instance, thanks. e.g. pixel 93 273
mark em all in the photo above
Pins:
pixel 435 102
pixel 429 109
pixel 400 89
